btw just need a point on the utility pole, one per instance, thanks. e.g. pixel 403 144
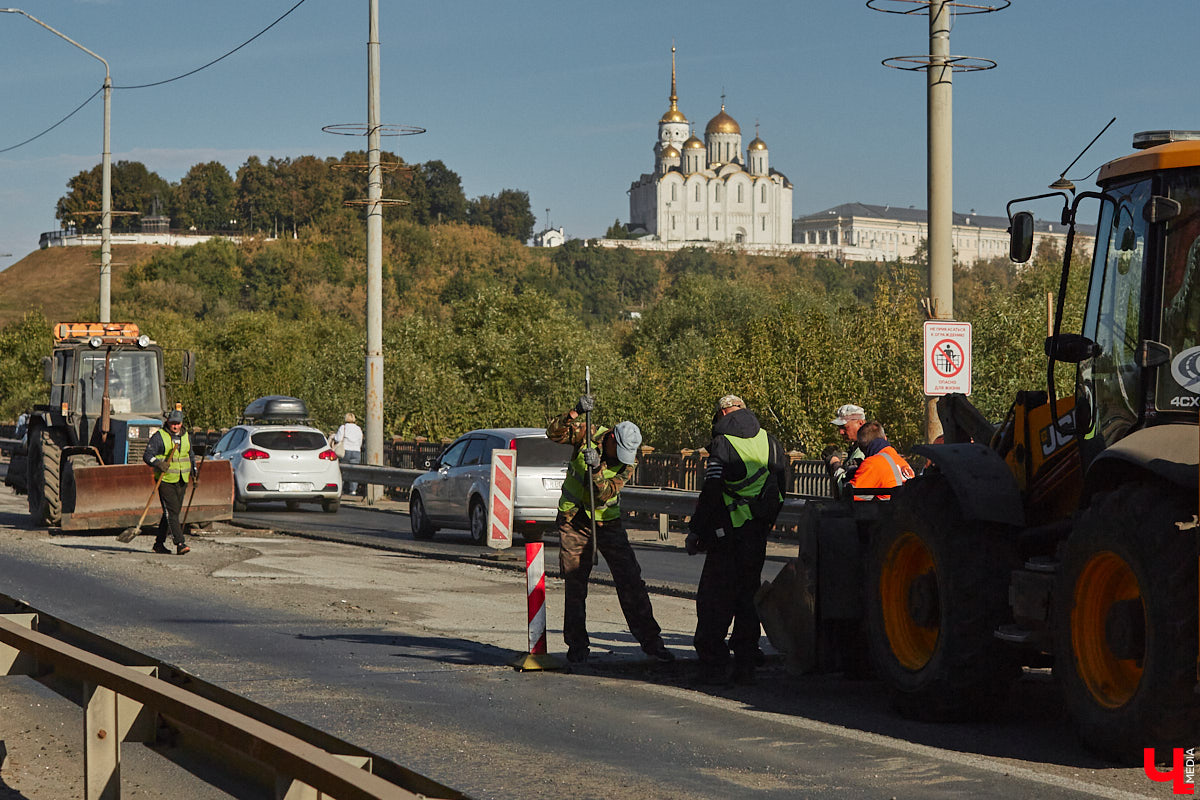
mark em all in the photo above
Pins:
pixel 374 388
pixel 939 67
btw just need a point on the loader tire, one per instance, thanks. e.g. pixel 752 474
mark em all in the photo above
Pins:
pixel 45 476
pixel 937 589
pixel 68 478
pixel 1125 643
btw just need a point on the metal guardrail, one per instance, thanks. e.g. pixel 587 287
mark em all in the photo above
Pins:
pixel 8 445
pixel 127 696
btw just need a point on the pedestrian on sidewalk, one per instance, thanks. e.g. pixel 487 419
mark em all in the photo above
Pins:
pixel 350 437
pixel 607 463
pixel 742 494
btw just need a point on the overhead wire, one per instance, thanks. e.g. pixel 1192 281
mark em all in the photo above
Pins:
pixel 157 83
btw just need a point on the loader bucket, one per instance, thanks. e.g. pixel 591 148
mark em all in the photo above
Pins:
pixel 114 496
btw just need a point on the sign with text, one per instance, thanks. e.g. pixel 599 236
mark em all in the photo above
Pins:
pixel 947 357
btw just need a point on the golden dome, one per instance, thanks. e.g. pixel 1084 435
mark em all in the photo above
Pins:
pixel 693 143
pixel 757 144
pixel 670 152
pixel 673 115
pixel 722 123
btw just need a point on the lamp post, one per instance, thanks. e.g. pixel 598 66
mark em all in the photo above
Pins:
pixel 105 173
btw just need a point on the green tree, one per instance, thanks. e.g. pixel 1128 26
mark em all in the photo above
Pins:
pixel 134 189
pixel 205 198
pixel 507 213
pixel 23 345
pixel 443 190
pixel 617 231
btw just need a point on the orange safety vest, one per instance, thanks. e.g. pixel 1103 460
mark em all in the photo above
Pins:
pixel 885 469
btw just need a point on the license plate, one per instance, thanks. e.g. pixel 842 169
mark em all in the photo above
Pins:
pixel 552 484
pixel 295 487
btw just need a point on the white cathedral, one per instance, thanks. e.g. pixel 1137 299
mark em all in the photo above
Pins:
pixel 711 190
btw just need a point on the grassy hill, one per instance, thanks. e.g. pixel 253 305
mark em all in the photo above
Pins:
pixel 63 282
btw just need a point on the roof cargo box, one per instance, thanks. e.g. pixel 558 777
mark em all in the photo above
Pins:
pixel 276 408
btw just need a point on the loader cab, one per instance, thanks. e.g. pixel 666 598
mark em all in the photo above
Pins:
pixel 1138 353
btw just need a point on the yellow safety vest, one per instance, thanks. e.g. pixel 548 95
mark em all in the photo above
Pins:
pixel 179 466
pixel 575 489
pixel 755 453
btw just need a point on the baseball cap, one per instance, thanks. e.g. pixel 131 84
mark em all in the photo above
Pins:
pixel 730 401
pixel 175 416
pixel 849 411
pixel 628 438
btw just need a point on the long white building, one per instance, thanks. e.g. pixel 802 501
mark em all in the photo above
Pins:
pixel 710 190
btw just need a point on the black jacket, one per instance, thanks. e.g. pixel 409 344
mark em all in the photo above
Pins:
pixel 724 464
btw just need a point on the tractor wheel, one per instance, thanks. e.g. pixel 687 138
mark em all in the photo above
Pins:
pixel 937 589
pixel 479 521
pixel 1126 606
pixel 68 478
pixel 45 476
pixel 422 526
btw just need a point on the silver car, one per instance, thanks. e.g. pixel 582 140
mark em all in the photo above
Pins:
pixel 454 493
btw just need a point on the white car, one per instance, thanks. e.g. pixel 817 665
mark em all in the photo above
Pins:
pixel 276 457
pixel 454 493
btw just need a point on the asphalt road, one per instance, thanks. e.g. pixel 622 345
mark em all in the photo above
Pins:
pixel 407 655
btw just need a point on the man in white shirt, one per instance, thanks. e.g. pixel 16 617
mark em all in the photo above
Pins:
pixel 350 436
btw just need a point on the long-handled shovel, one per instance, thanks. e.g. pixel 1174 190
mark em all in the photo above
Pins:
pixel 195 486
pixel 587 439
pixel 129 534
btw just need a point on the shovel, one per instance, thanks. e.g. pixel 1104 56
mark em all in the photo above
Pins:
pixel 129 534
pixel 195 486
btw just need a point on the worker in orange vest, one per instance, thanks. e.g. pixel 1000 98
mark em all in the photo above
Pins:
pixel 882 467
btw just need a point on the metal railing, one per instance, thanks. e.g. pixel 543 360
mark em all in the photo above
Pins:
pixel 130 697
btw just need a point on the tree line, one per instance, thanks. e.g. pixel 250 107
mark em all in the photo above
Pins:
pixel 283 195
pixel 481 331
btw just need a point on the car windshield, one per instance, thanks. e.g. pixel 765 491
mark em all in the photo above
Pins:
pixel 538 451
pixel 289 440
pixel 133 382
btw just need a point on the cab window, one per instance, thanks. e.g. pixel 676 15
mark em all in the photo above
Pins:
pixel 1178 381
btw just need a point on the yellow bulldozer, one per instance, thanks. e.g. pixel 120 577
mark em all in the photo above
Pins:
pixel 1066 535
pixel 81 465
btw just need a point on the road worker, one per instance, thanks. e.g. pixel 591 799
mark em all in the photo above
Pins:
pixel 606 463
pixel 744 482
pixel 842 464
pixel 882 467
pixel 169 452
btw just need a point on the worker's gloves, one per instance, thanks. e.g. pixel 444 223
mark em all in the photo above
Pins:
pixel 586 404
pixel 591 457
pixel 159 466
pixel 850 466
pixel 195 471
pixel 692 544
pixel 832 455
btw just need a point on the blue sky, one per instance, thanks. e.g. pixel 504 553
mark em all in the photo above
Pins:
pixel 562 99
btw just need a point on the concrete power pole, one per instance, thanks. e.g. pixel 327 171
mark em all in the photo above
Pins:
pixel 939 66
pixel 374 388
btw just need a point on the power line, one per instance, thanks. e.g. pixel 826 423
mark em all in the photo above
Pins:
pixel 219 58
pixel 156 83
pixel 55 125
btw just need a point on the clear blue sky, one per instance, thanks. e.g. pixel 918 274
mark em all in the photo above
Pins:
pixel 562 99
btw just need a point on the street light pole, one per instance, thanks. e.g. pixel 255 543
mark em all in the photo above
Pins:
pixel 105 173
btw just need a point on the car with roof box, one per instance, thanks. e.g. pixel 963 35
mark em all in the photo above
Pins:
pixel 278 456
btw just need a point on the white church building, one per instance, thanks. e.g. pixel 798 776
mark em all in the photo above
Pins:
pixel 710 190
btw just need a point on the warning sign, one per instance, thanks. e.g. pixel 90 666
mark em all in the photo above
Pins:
pixel 947 357
pixel 501 499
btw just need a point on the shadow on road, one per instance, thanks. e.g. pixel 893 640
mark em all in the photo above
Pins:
pixel 6 791
pixel 460 652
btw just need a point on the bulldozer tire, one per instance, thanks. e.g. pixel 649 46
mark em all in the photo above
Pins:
pixel 68 478
pixel 1126 640
pixel 45 476
pixel 937 589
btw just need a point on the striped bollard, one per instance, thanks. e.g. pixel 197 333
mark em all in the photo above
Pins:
pixel 535 603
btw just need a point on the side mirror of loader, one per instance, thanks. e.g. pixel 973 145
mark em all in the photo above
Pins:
pixel 1020 233
pixel 1071 348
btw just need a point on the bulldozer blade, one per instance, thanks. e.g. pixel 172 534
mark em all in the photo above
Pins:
pixel 114 496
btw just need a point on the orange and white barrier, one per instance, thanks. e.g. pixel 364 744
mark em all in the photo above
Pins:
pixel 501 498
pixel 535 592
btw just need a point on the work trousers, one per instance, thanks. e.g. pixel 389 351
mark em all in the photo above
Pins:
pixel 575 565
pixel 731 577
pixel 171 495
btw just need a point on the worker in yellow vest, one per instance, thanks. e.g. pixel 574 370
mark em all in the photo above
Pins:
pixel 605 458
pixel 744 483
pixel 169 452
